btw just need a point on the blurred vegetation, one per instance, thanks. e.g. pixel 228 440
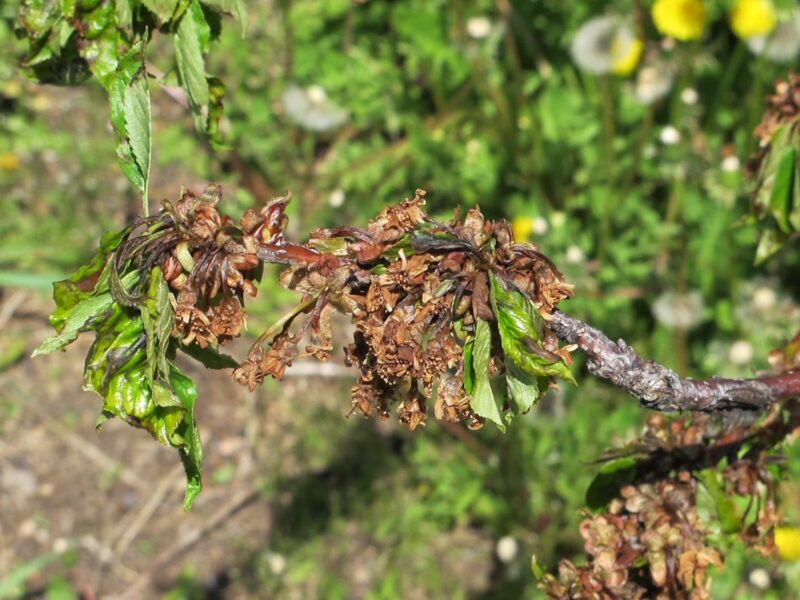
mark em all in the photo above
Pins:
pixel 636 193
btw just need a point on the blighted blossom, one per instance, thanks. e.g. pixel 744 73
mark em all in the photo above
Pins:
pixel 652 534
pixel 416 290
pixel 783 108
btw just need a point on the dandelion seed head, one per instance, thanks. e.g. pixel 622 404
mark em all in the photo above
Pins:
pixel 669 136
pixel 679 311
pixel 336 199
pixel 507 549
pixel 740 352
pixel 689 96
pixel 731 164
pixel 479 28
pixel 606 45
pixel 653 83
pixel 312 109
pixel 574 255
pixel 782 44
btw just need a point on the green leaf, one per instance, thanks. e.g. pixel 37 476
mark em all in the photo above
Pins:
pixel 483 401
pixel 12 584
pixel 163 9
pixel 402 245
pixel 129 107
pixel 117 368
pixel 612 477
pixel 521 329
pixel 726 509
pixel 81 318
pixel 72 319
pixel 523 388
pixel 237 8
pixel 783 189
pixel 191 451
pixel 469 368
pixel 209 357
pixel 216 110
pixel 38 17
pixel 124 13
pixel 85 281
pixel 770 242
pixel 136 105
pixel 191 37
pixel 157 319
pixel 68 8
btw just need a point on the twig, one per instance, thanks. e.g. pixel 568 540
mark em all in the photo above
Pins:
pixel 188 540
pixel 88 449
pixel 10 306
pixel 127 531
pixel 660 388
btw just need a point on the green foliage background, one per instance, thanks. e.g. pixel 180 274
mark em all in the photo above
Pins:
pixel 507 121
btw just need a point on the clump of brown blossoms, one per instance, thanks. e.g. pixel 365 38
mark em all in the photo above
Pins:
pixel 783 108
pixel 415 289
pixel 661 532
pixel 650 544
pixel 209 263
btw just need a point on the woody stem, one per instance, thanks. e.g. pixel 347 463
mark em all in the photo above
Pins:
pixel 660 388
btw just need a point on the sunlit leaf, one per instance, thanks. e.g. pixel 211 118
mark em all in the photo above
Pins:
pixel 237 8
pixel 163 9
pixel 783 189
pixel 190 37
pixel 136 104
pixel 483 401
pixel 521 328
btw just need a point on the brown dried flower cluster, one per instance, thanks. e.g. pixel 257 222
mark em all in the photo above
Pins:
pixel 783 108
pixel 414 288
pixel 650 544
pixel 209 263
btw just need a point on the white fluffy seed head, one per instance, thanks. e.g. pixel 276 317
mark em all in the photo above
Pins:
pixel 479 27
pixel 669 136
pixel 764 298
pixel 689 96
pixel 507 549
pixel 731 164
pixel 679 311
pixel 336 199
pixel 741 352
pixel 759 578
pixel 574 255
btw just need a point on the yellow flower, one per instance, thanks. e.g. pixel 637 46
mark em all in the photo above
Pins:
pixel 682 19
pixel 787 541
pixel 9 161
pixel 522 228
pixel 751 18
pixel 625 56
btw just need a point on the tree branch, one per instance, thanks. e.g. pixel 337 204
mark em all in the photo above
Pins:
pixel 660 388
